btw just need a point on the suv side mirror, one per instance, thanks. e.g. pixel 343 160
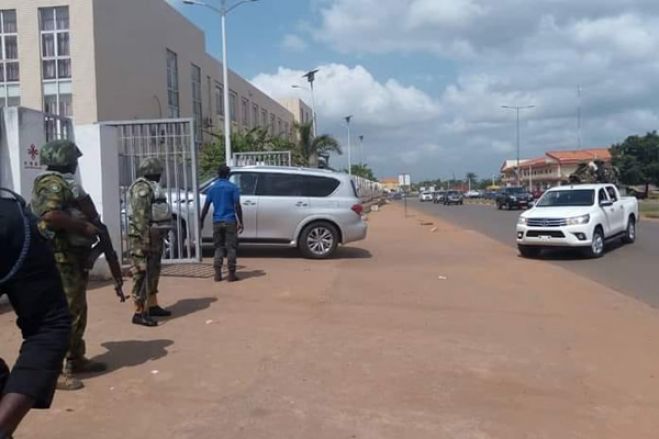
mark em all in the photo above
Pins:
pixel 606 203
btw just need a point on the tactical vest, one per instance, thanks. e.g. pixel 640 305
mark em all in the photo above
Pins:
pixel 161 211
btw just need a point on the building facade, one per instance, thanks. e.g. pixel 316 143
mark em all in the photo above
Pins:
pixel 552 169
pixel 110 60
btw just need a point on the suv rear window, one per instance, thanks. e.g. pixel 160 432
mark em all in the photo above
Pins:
pixel 279 185
pixel 318 186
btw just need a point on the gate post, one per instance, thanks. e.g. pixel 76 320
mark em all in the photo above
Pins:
pixel 99 174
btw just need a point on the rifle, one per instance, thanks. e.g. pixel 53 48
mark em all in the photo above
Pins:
pixel 103 246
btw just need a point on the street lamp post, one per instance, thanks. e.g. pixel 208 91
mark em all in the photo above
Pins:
pixel 313 108
pixel 348 119
pixel 361 150
pixel 517 109
pixel 311 77
pixel 223 11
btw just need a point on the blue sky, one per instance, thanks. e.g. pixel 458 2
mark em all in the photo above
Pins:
pixel 425 79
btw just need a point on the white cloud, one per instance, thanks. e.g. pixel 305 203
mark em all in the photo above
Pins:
pixel 294 43
pixel 505 52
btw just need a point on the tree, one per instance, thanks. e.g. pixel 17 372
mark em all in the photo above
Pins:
pixel 362 170
pixel 637 160
pixel 310 148
pixel 211 155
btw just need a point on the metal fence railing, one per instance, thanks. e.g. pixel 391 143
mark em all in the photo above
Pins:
pixel 266 158
pixel 368 190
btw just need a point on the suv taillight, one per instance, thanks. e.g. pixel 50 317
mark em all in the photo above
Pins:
pixel 358 209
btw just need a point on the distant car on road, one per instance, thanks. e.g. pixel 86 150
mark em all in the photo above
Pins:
pixel 396 195
pixel 453 197
pixel 425 196
pixel 579 216
pixel 513 197
pixel 439 197
pixel 472 194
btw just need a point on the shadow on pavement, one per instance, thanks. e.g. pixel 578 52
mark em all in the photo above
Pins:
pixel 186 307
pixel 244 275
pixel 572 254
pixel 130 353
pixel 291 253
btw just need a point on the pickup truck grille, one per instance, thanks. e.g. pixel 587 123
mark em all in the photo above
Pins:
pixel 546 222
pixel 538 233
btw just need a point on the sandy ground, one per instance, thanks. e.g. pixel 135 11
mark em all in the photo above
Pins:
pixel 422 331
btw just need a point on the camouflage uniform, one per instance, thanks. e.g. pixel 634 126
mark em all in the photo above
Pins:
pixel 146 243
pixel 52 192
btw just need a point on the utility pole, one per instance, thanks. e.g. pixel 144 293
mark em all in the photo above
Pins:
pixel 517 109
pixel 579 139
pixel 311 77
pixel 348 119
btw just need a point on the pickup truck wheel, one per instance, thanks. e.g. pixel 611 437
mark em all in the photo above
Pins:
pixel 596 249
pixel 529 252
pixel 630 234
pixel 319 240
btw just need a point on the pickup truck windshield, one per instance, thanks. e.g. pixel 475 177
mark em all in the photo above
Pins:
pixel 514 190
pixel 582 197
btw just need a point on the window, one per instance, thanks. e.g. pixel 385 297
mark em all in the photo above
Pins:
pixel 172 85
pixel 612 193
pixel 233 105
pixel 219 99
pixel 279 127
pixel 279 185
pixel 245 112
pixel 318 186
pixel 196 102
pixel 255 115
pixel 581 197
pixel 245 181
pixel 56 70
pixel 264 119
pixel 602 196
pixel 272 124
pixel 9 69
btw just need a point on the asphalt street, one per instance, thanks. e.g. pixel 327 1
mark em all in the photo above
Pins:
pixel 630 269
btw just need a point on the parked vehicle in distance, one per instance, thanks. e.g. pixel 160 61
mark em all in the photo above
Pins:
pixel 453 197
pixel 313 210
pixel 396 195
pixel 513 197
pixel 425 196
pixel 439 197
pixel 472 194
pixel 579 216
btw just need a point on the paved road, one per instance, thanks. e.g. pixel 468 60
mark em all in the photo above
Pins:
pixel 632 270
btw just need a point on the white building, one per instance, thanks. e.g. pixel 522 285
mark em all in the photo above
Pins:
pixel 104 60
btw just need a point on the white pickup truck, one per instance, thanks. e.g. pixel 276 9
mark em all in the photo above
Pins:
pixel 581 216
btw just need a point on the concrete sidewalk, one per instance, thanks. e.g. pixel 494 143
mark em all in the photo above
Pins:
pixel 414 334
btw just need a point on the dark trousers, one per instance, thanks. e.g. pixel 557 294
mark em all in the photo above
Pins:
pixel 225 239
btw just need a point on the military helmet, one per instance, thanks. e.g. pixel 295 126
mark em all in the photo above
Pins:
pixel 60 153
pixel 150 166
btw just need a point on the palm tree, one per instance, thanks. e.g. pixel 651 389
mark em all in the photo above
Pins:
pixel 310 148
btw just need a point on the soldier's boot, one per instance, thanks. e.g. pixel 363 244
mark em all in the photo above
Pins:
pixel 233 277
pixel 85 365
pixel 66 381
pixel 144 319
pixel 218 274
pixel 156 310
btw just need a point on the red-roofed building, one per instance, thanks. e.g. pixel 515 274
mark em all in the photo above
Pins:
pixel 552 169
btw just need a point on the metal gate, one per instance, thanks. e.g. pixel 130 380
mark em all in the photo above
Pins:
pixel 171 140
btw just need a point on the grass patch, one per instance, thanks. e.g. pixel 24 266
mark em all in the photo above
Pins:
pixel 649 209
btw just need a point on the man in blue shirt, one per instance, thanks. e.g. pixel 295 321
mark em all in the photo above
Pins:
pixel 227 221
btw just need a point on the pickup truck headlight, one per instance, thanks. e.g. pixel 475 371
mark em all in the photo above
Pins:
pixel 578 220
pixel 522 221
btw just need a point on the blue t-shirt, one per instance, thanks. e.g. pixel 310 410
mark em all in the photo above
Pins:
pixel 224 195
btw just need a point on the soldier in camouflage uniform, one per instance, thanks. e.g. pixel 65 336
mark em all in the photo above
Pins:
pixel 149 222
pixel 54 201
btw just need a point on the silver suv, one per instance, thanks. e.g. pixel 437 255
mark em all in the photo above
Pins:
pixel 311 209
